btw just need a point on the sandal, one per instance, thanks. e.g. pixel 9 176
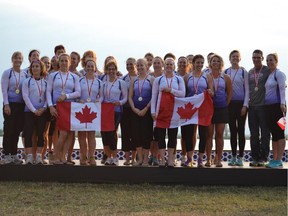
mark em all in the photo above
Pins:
pixel 208 164
pixel 219 164
pixel 67 162
pixel 57 162
pixel 71 161
pixel 92 161
pixel 127 163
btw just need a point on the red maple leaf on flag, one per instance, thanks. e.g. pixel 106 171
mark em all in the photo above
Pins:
pixel 187 112
pixel 87 116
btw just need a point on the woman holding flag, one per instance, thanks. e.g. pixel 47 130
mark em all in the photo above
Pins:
pixel 166 85
pixel 275 105
pixel 196 83
pixel 62 85
pixel 114 91
pixel 91 92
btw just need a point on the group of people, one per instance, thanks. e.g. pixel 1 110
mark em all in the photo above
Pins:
pixel 30 96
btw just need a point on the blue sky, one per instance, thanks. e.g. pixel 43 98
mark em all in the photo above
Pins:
pixel 130 28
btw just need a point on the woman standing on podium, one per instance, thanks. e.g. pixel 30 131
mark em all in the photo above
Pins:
pixel 13 110
pixel 238 107
pixel 91 92
pixel 140 93
pixel 114 91
pixel 62 85
pixel 34 95
pixel 196 83
pixel 221 99
pixel 173 84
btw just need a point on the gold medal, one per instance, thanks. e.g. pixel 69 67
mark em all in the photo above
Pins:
pixel 63 92
pixel 17 91
pixel 140 98
pixel 256 88
pixel 88 99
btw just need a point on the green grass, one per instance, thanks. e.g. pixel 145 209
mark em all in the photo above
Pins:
pixel 17 198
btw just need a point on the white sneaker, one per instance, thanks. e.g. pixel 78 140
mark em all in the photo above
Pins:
pixel 183 160
pixel 29 159
pixel 108 161
pixel 38 159
pixel 16 160
pixel 8 159
pixel 115 162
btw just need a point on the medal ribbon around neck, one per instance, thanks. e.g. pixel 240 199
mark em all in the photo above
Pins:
pixel 63 84
pixel 108 93
pixel 17 81
pixel 197 84
pixel 169 85
pixel 89 89
pixel 140 89
pixel 216 87
pixel 256 77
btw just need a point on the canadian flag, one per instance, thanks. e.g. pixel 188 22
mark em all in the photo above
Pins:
pixel 74 116
pixel 174 112
pixel 282 122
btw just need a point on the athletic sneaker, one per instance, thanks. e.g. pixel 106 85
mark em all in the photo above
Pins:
pixel 232 162
pixel 38 159
pixel 274 164
pixel 16 160
pixel 183 160
pixel 115 162
pixel 239 161
pixel 188 163
pixel 155 161
pixel 108 161
pixel 29 159
pixel 8 159
pixel 253 163
pixel 150 161
pixel 200 163
pixel 261 163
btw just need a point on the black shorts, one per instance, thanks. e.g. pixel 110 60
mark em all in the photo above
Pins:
pixel 220 115
pixel 274 113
